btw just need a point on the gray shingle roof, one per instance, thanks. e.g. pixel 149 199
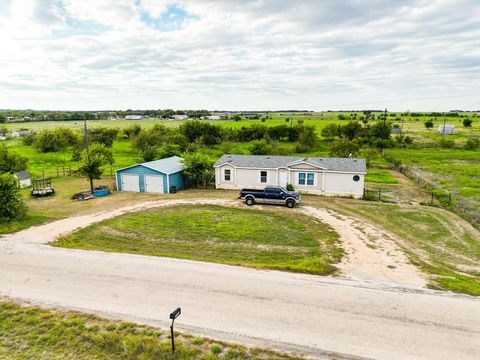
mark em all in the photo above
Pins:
pixel 22 175
pixel 274 162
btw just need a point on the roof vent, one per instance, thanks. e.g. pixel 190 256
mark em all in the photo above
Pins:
pixel 355 160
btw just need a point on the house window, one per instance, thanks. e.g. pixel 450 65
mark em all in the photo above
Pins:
pixel 306 179
pixel 310 179
pixel 227 174
pixel 356 178
pixel 301 178
pixel 263 176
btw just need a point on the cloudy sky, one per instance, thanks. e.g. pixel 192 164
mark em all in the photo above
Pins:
pixel 240 54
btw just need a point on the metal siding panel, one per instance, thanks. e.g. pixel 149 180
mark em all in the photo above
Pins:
pixel 177 180
pixel 141 171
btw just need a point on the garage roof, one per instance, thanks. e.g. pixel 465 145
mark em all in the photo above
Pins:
pixel 167 166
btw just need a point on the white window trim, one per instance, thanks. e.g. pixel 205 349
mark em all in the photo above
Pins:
pixel 260 177
pixel 306 178
pixel 224 174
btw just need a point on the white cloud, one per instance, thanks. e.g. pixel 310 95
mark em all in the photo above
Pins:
pixel 277 54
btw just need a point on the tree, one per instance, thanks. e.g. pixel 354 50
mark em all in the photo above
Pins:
pixel 168 150
pixel 352 130
pixel 236 117
pixel 11 203
pixel 330 131
pixel 54 140
pixel 369 154
pixel 467 122
pixel 428 124
pixel 260 147
pixel 3 118
pixel 93 160
pixel 344 149
pixel 11 162
pixel 103 136
pixel 307 136
pixel 198 166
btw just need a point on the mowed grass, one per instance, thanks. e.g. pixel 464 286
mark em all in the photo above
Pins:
pixel 273 239
pixel 34 333
pixel 440 243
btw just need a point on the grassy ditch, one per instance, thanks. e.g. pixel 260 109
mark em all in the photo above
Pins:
pixel 440 243
pixel 34 333
pixel 273 239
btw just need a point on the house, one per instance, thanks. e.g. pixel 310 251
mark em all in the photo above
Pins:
pixel 213 117
pixel 159 176
pixel 180 117
pixel 21 132
pixel 313 175
pixel 446 129
pixel 3 138
pixel 24 179
pixel 134 117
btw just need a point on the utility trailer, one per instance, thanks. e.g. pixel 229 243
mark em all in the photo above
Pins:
pixel 42 187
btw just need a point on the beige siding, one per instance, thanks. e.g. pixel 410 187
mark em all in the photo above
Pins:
pixel 343 184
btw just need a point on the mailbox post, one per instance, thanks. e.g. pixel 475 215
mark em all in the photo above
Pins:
pixel 175 314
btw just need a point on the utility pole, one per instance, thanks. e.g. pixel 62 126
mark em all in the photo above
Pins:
pixel 383 130
pixel 444 123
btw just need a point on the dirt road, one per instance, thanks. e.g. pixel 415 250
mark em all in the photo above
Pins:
pixel 321 316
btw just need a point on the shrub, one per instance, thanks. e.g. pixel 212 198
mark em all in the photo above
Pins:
pixel 216 349
pixel 428 124
pixel 344 148
pixel 446 143
pixel 472 144
pixel 11 202
pixel 467 122
pixel 55 140
pixel 260 147
pixel 290 187
pixel 11 162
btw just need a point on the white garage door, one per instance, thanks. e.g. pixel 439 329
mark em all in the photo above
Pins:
pixel 130 183
pixel 154 184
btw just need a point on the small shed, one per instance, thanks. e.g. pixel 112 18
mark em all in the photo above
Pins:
pixel 446 129
pixel 159 176
pixel 24 179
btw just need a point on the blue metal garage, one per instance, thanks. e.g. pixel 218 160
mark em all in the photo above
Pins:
pixel 159 176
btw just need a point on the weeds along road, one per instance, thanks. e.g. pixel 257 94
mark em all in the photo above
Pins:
pixel 319 316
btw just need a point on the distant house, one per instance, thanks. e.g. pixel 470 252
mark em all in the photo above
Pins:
pixel 180 117
pixel 10 118
pixel 21 132
pixel 213 117
pixel 446 129
pixel 2 138
pixel 396 130
pixel 134 117
pixel 315 175
pixel 159 176
pixel 24 179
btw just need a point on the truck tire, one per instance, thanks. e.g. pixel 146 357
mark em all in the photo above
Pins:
pixel 250 201
pixel 290 204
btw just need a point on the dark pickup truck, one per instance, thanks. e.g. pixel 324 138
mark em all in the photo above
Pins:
pixel 270 195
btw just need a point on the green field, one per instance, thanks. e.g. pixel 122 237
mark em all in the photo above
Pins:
pixel 34 333
pixel 282 240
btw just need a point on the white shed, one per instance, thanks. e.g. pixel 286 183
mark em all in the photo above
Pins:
pixel 446 129
pixel 24 179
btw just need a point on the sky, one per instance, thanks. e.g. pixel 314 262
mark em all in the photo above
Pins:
pixel 417 55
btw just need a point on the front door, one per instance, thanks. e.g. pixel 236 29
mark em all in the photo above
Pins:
pixel 283 178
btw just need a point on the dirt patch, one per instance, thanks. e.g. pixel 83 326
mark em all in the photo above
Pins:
pixel 370 254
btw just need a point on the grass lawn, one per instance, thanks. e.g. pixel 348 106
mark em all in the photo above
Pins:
pixel 34 333
pixel 437 241
pixel 273 239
